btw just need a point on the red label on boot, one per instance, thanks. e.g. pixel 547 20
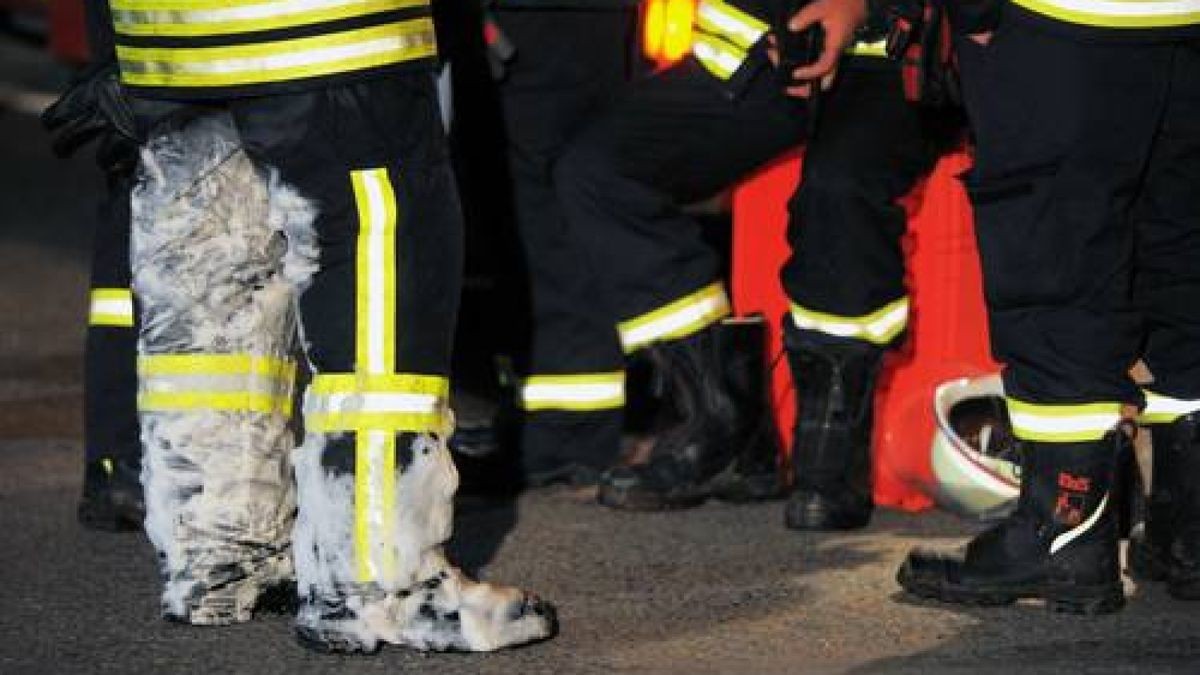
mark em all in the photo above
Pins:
pixel 1068 509
pixel 1074 483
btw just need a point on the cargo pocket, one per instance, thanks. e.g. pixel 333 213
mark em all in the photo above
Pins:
pixel 1021 253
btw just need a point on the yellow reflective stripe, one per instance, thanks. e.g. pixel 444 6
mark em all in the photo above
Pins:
pixel 356 383
pixel 878 48
pixel 717 56
pixel 215 364
pixel 375 292
pixel 111 307
pixel 678 319
pixel 394 422
pixel 729 22
pixel 174 18
pixel 229 401
pixel 1063 423
pixel 1119 13
pixel 280 60
pixel 1165 409
pixel 577 392
pixel 878 327
pixel 375 505
pixel 230 382
pixel 395 401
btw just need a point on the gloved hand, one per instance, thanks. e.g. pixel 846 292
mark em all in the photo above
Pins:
pixel 95 107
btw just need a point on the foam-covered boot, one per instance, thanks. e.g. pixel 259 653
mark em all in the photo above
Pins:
pixel 112 495
pixel 723 442
pixel 1059 545
pixel 831 446
pixel 369 559
pixel 1168 547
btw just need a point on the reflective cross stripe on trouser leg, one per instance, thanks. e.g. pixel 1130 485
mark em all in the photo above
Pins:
pixel 216 332
pixel 375 403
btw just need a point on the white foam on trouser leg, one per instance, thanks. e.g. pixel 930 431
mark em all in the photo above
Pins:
pixel 426 603
pixel 207 269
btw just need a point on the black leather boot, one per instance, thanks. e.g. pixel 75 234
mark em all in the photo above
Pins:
pixel 1168 547
pixel 831 446
pixel 112 495
pixel 723 442
pixel 1059 545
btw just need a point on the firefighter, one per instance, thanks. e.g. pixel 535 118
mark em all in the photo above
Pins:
pixel 684 135
pixel 294 184
pixel 1087 119
pixel 555 63
pixel 112 493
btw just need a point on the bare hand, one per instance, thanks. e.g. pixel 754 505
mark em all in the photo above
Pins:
pixel 839 19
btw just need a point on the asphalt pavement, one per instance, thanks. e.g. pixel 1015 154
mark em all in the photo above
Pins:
pixel 718 589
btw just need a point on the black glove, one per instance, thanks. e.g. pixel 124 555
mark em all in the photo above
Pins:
pixel 95 107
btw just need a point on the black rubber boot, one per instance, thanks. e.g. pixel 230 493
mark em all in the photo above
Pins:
pixel 112 495
pixel 831 446
pixel 1168 547
pixel 1059 545
pixel 724 443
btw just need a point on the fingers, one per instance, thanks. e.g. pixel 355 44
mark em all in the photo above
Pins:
pixel 807 16
pixel 822 67
pixel 772 50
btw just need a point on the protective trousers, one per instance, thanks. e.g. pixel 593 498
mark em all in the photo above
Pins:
pixel 110 375
pixel 569 63
pixel 1088 222
pixel 339 202
pixel 679 137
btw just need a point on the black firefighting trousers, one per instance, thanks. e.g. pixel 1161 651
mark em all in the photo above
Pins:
pixel 678 138
pixel 568 64
pixel 110 374
pixel 1087 210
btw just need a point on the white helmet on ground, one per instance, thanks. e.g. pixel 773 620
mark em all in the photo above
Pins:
pixel 974 454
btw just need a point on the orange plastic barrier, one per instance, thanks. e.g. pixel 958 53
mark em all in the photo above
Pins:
pixel 947 326
pixel 68 32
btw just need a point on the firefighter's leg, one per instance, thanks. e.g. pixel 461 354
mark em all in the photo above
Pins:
pixel 676 139
pixel 845 280
pixel 1053 187
pixel 112 490
pixel 572 391
pixel 215 374
pixel 378 268
pixel 1167 290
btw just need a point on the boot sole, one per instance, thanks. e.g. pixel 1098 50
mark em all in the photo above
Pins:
pixel 727 486
pixel 805 514
pixel 644 500
pixel 811 521
pixel 1061 600
pixel 332 642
